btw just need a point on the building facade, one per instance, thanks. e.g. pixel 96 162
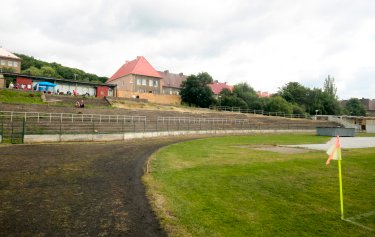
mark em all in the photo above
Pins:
pixel 137 76
pixel 171 82
pixel 9 62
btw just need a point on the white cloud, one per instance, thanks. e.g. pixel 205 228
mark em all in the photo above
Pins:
pixel 265 43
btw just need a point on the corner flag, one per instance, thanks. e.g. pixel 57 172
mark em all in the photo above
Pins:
pixel 334 153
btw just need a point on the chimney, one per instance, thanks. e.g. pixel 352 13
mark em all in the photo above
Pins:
pixel 166 71
pixel 126 61
pixel 181 74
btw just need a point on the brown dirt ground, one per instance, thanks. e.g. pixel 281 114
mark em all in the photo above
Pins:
pixel 278 149
pixel 77 189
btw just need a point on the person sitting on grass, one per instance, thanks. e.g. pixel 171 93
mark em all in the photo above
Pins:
pixel 78 105
pixel 81 105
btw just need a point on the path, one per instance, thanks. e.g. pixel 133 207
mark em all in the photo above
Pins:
pixel 77 189
pixel 346 142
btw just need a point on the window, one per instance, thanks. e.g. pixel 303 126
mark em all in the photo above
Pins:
pixel 3 62
pixel 10 63
pixel 144 82
pixel 139 82
pixel 156 83
pixel 15 64
pixel 150 82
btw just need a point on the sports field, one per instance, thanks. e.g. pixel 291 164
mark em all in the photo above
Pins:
pixel 248 186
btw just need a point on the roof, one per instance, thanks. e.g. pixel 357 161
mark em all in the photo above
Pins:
pixel 139 66
pixel 6 54
pixel 58 79
pixel 172 79
pixel 217 87
pixel 263 94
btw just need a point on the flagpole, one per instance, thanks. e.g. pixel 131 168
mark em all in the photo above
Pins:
pixel 340 180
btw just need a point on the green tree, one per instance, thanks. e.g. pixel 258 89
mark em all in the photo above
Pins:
pixel 294 92
pixel 34 71
pixel 355 107
pixel 330 87
pixel 195 90
pixel 48 72
pixel 34 67
pixel 247 94
pixel 279 104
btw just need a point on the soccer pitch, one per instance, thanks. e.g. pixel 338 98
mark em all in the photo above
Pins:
pixel 248 186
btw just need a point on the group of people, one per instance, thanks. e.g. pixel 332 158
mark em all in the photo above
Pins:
pixel 19 86
pixel 80 104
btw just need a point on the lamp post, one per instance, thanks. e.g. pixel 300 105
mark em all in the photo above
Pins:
pixel 75 78
pixel 316 113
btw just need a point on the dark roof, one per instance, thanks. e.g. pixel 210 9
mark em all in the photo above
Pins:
pixel 58 79
pixel 172 79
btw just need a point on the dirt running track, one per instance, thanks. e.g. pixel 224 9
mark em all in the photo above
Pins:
pixel 77 189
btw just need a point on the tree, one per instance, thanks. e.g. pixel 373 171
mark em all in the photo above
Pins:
pixel 37 67
pixel 247 94
pixel 330 87
pixel 34 71
pixel 279 104
pixel 355 107
pixel 195 90
pixel 294 92
pixel 48 72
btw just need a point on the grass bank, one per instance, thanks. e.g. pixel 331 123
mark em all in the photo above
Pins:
pixel 20 97
pixel 226 187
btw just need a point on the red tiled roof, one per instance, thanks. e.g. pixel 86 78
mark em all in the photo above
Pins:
pixel 217 87
pixel 139 66
pixel 263 94
pixel 172 79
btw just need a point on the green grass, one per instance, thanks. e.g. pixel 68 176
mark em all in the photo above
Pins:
pixel 20 97
pixel 365 134
pixel 219 187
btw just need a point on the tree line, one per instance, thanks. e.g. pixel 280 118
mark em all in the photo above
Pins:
pixel 35 67
pixel 292 98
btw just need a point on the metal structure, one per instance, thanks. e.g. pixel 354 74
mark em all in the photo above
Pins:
pixel 253 111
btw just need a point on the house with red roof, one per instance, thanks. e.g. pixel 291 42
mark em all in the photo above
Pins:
pixel 217 87
pixel 137 76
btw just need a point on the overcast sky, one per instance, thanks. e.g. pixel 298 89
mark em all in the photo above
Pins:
pixel 265 43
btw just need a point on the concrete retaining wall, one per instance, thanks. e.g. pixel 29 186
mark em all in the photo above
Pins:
pixel 370 126
pixel 127 136
pixel 342 132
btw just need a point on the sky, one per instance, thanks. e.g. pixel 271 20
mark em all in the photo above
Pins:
pixel 266 43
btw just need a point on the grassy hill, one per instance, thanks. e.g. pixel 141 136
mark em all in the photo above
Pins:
pixel 37 67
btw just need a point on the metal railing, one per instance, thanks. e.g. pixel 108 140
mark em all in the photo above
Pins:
pixel 50 117
pixel 253 111
pixel 51 123
pixel 200 120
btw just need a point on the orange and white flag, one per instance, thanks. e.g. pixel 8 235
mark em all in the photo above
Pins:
pixel 334 151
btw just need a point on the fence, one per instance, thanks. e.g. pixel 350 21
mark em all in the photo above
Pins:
pixel 15 125
pixel 70 117
pixel 252 111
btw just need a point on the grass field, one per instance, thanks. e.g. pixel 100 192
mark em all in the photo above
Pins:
pixel 224 187
pixel 20 97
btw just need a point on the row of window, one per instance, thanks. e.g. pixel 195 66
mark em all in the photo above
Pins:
pixel 8 63
pixel 140 90
pixel 143 82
